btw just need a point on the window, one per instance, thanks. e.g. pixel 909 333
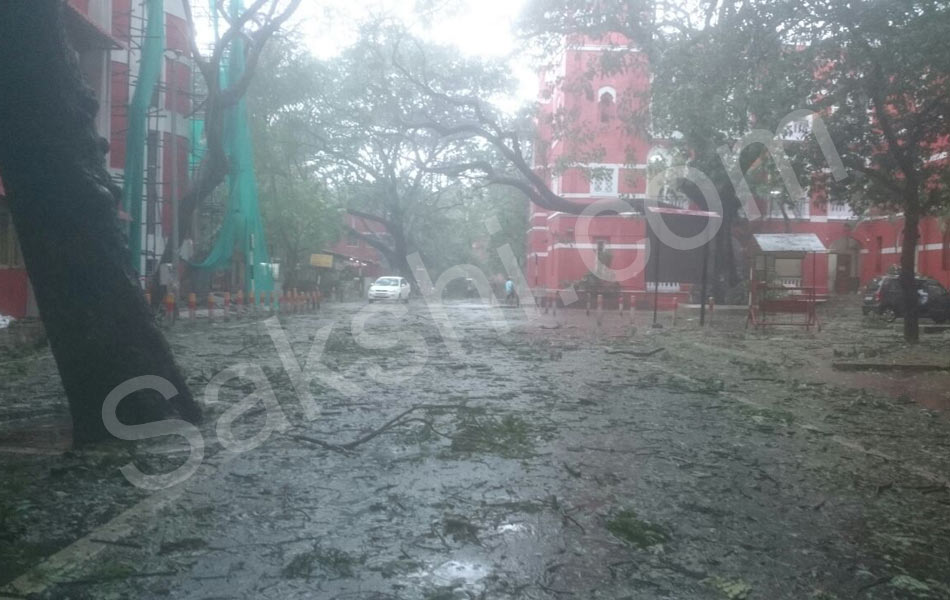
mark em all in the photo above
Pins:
pixel 786 268
pixel 604 181
pixel 934 289
pixel 606 106
pixel 945 251
pixel 879 255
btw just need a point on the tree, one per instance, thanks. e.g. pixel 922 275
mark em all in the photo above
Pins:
pixel 254 25
pixel 462 236
pixel 64 210
pixel 710 90
pixel 301 215
pixel 882 74
pixel 874 71
pixel 384 167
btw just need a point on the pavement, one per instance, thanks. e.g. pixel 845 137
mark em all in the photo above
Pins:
pixel 544 456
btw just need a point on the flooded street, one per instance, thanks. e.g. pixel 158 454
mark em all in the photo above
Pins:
pixel 545 457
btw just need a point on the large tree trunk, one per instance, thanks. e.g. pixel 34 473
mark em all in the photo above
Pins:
pixel 64 209
pixel 397 255
pixel 908 265
pixel 724 273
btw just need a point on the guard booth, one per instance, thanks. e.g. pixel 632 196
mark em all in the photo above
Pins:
pixel 777 294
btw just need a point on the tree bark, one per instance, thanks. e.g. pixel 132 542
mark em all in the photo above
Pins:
pixel 64 209
pixel 908 277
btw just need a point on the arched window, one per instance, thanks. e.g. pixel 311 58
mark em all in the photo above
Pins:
pixel 607 99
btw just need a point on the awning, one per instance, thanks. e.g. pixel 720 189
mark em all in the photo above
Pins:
pixel 788 242
pixel 347 257
pixel 661 210
pixel 84 34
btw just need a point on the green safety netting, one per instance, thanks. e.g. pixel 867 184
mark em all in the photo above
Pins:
pixel 197 147
pixel 150 71
pixel 242 227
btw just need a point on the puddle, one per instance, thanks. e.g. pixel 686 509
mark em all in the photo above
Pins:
pixel 459 575
pixel 512 528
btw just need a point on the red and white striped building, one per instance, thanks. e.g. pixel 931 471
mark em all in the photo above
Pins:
pixel 558 252
pixel 108 36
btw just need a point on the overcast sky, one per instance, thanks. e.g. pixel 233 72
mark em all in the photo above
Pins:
pixel 476 27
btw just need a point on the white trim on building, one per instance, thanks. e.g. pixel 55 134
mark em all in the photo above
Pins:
pixel 608 246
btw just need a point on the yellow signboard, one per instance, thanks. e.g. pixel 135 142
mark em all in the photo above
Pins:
pixel 321 260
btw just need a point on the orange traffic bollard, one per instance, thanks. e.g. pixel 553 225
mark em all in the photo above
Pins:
pixel 239 303
pixel 227 305
pixel 192 305
pixel 170 306
pixel 210 306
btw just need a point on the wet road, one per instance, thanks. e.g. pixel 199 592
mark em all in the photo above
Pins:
pixel 543 461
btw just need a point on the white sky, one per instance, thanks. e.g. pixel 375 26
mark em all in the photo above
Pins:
pixel 476 27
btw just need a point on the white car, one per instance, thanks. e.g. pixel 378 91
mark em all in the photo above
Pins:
pixel 389 288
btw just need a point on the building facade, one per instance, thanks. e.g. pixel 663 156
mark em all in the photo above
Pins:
pixel 358 254
pixel 612 127
pixel 108 37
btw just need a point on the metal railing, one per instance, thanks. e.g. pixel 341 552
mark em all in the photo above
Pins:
pixel 840 211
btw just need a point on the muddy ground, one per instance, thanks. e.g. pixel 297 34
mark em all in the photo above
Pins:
pixel 560 458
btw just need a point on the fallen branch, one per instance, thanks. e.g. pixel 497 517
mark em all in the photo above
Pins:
pixel 399 419
pixel 907 367
pixel 119 576
pixel 637 353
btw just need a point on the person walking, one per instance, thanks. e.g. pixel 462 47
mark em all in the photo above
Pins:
pixel 511 298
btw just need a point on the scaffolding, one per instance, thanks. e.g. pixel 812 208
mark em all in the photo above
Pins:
pixel 149 211
pixel 148 179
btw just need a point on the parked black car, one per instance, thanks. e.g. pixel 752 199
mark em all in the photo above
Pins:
pixel 883 296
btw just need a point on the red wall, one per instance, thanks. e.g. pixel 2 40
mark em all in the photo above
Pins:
pixel 361 250
pixel 119 86
pixel 80 5
pixel 13 292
